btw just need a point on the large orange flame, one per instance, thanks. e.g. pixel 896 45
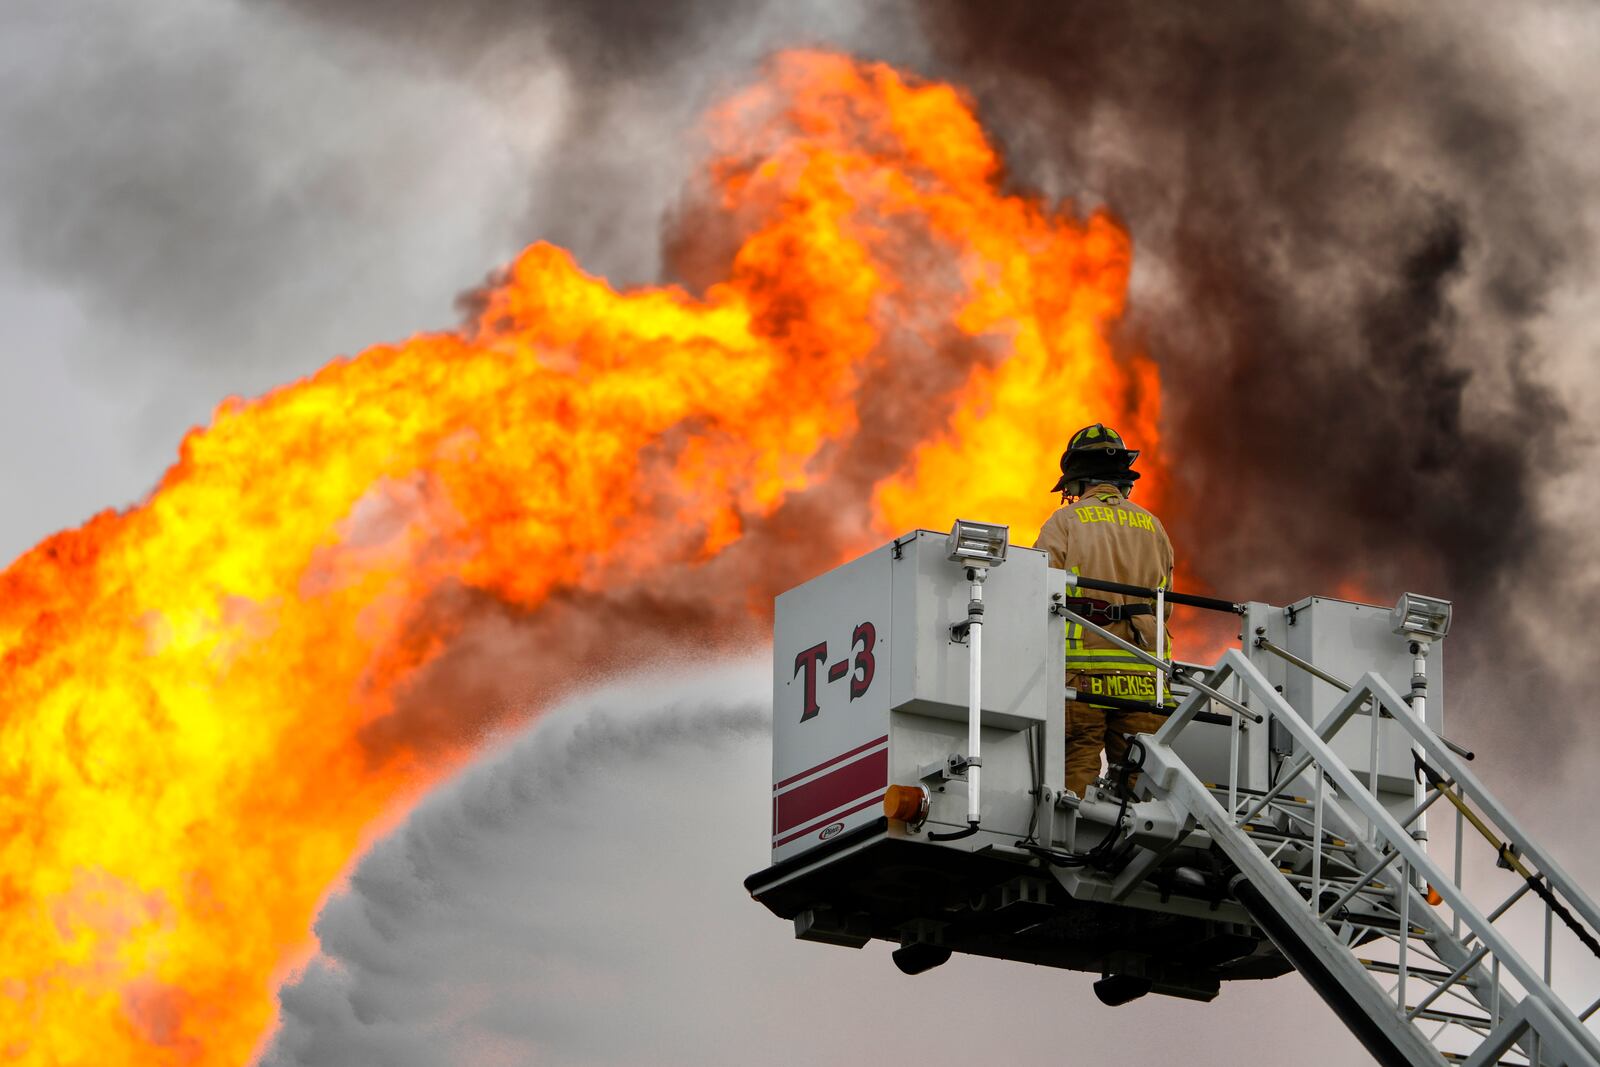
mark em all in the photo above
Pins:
pixel 190 688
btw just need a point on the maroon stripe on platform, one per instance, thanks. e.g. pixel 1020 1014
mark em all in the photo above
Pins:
pixel 830 762
pixel 830 820
pixel 835 789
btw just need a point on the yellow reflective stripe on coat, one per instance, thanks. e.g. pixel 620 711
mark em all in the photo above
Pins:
pixel 1074 632
pixel 1076 652
pixel 1106 659
pixel 1074 638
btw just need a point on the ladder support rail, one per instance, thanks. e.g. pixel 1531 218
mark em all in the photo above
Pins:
pixel 1366 879
pixel 1444 760
pixel 1337 974
pixel 1378 896
pixel 1500 909
pixel 1529 1017
pixel 1454 977
pixel 1190 706
pixel 1352 790
pixel 1342 713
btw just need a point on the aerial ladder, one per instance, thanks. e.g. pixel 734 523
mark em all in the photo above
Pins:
pixel 1280 819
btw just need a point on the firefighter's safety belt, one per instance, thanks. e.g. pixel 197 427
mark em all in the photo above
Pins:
pixel 1104 612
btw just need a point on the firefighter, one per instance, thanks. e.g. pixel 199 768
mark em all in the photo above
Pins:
pixel 1100 533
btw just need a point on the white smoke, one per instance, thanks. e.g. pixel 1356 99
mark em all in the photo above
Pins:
pixel 576 898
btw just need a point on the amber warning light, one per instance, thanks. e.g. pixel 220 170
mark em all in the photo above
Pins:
pixel 908 803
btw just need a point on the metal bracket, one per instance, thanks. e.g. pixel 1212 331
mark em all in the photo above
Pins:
pixel 952 766
pixel 959 631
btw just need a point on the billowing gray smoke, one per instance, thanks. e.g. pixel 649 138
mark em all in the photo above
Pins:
pixel 1353 240
pixel 1348 236
pixel 635 80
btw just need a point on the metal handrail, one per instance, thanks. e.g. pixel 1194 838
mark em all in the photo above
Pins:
pixel 1160 664
pixel 1375 687
pixel 1470 969
pixel 1515 836
pixel 1266 645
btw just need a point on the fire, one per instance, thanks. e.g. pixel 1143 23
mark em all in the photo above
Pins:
pixel 192 687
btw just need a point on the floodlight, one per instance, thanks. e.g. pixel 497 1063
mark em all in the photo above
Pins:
pixel 977 544
pixel 1421 618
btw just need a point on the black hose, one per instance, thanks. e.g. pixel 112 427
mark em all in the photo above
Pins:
pixel 1100 855
pixel 955 835
pixel 1509 858
pixel 1537 884
pixel 1036 772
pixel 1102 852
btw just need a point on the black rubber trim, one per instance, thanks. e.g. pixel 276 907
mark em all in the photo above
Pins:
pixel 1210 603
pixel 812 855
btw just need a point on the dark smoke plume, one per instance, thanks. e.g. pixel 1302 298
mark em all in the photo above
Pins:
pixel 1343 245
pixel 1352 246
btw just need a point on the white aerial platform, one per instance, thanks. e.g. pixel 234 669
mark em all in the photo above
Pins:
pixel 1276 823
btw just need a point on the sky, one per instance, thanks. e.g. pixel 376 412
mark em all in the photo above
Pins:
pixel 205 198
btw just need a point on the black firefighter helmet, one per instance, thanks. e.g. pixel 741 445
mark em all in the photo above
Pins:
pixel 1095 454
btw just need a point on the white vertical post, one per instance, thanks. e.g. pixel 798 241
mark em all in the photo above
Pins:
pixel 1419 704
pixel 1404 889
pixel 1317 847
pixel 975 693
pixel 1376 714
pixel 1161 640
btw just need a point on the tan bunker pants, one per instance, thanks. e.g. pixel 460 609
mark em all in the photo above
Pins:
pixel 1091 730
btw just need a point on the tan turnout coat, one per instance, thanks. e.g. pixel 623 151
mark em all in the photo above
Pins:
pixel 1105 535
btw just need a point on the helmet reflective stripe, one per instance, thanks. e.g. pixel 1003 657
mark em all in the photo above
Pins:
pixel 1094 454
pixel 1099 434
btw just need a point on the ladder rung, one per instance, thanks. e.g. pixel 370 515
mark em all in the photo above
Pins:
pixel 1337 883
pixel 1281 798
pixel 1337 844
pixel 1385 925
pixel 1384 967
pixel 1476 1022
